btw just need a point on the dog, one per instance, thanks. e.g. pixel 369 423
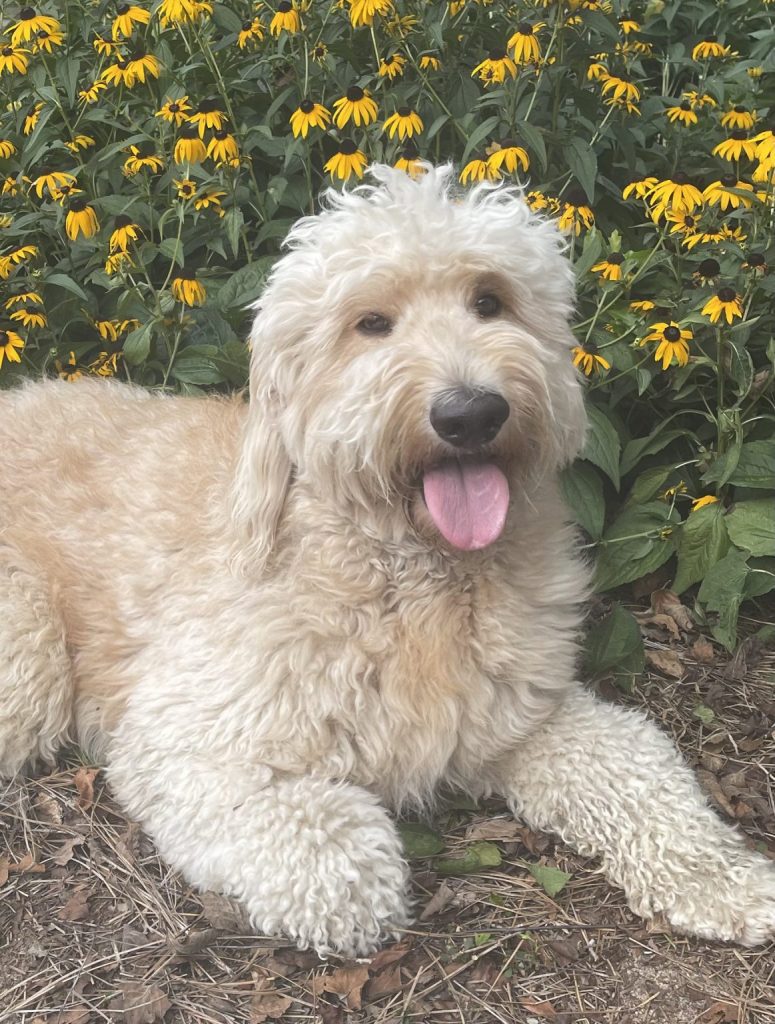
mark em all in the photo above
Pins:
pixel 278 621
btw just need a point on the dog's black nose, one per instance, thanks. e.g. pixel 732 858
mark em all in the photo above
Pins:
pixel 468 418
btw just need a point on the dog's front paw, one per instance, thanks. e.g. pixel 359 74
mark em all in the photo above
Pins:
pixel 735 906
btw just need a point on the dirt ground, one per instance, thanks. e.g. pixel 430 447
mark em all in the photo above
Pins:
pixel 94 927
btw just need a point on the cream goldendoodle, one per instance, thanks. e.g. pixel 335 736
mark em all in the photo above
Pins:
pixel 275 621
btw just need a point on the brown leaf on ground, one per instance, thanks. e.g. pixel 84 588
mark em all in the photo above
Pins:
pixel 77 907
pixel 346 982
pixel 193 942
pixel 437 902
pixel 389 955
pixel 664 623
pixel 26 866
pixel 84 783
pixel 720 1013
pixel 76 1015
pixel 386 983
pixel 224 913
pixel 702 651
pixel 64 854
pixel 3 870
pixel 712 787
pixel 330 1014
pixel 665 602
pixel 543 1009
pixel 666 662
pixel 505 829
pixel 140 1003
pixel 47 809
pixel 267 1003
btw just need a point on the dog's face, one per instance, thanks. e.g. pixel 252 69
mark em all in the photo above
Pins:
pixel 414 347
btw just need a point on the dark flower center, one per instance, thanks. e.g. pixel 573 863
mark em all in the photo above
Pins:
pixel 7 51
pixel 138 54
pixel 576 196
pixel 174 108
pixel 404 111
pixel 616 258
pixel 686 105
pixel 208 106
pixel 497 54
pixel 187 274
pixel 755 259
pixel 222 134
pixel 123 8
pixel 411 152
pixel 306 106
pixel 121 63
pixel 319 51
pixel 739 110
pixel 43 34
pixel 672 334
pixel 284 6
pixel 739 134
pixel 590 348
pixel 729 181
pixel 525 29
pixel 708 268
pixel 347 147
pixel 711 39
pixel 27 14
pixel 354 94
pixel 189 131
pixel 726 294
pixel 122 221
pixel 679 178
pixel 689 221
pixel 78 204
pixel 247 26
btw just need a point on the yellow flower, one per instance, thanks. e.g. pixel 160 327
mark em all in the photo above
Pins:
pixel 61 193
pixel 672 343
pixel 356 105
pixel 597 71
pixel 29 24
pixel 127 16
pixel 363 12
pixel 208 115
pixel 726 302
pixel 81 219
pixel 610 268
pixel 477 170
pixel 524 43
pixel 392 66
pixel 104 47
pixel 738 117
pixel 50 180
pixel 309 115
pixel 620 93
pixel 81 142
pixel 707 271
pixel 118 261
pixel 68 371
pixel 10 347
pixel 223 147
pixel 286 19
pixel 406 122
pixel 13 60
pixel 92 93
pixel 677 194
pixel 139 64
pixel 31 119
pixel 118 74
pixel 251 32
pixel 186 188
pixel 682 223
pixel 576 213
pixel 23 298
pixel 494 68
pixel 29 318
pixel 187 289
pixel 628 24
pixel 181 12
pixel 46 41
pixel 642 189
pixel 319 53
pixel 683 113
pixel 589 359
pixel 124 232
pixel 348 160
pixel 105 365
pixel 726 193
pixel 7 149
pixel 738 144
pixel 706 499
pixel 142 158
pixel 175 111
pixel 409 161
pixel 507 155
pixel 428 62
pixel 709 47
pixel 756 262
pixel 189 149
pixel 699 99
pixel 642 305
pixel 210 197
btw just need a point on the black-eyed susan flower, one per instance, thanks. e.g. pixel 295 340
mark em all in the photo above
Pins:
pixel 676 193
pixel 576 212
pixel 684 113
pixel 739 117
pixel 188 289
pixel 31 118
pixel 46 42
pixel 252 32
pixel 11 345
pixel 7 149
pixel 538 200
pixel 20 255
pixel 29 318
pixel 175 111
pixel 182 12
pixel 63 193
pixel 29 24
pixel 118 74
pixel 92 92
pixel 409 161
pixel 524 43
pixel 699 99
pixel 628 24
pixel 756 262
pixel 507 155
pixel 620 93
pixel 642 305
pixel 588 359
pixel 23 299
pixel 610 269
pixel 286 19
pixel 765 145
pixel 105 365
pixel 189 148
pixel 405 123
pixel 356 105
pixel 142 158
pixel 706 499
pixel 127 16
pixel 429 62
pixel 308 115
pixel 141 65
pixel 79 142
pixel 13 60
pixel 682 223
pixel 118 261
pixel 347 160
pixel 69 369
pixel 45 178
pixel 207 198
pixel 363 12
pixel 124 232
pixel 641 188
pixel 186 188
pixel 108 330
pixel 708 48
pixel 222 147
pixel 729 193
pixel 707 271
pixel 477 170
pixel 494 68
pixel 726 302
pixel 738 144
pixel 209 115
pixel 392 66
pixel 81 219
pixel 672 343
pixel 105 47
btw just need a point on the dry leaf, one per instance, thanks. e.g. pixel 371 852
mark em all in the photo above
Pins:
pixel 267 1003
pixel 505 829
pixel 3 870
pixel 665 602
pixel 140 1003
pixel 702 651
pixel 719 1013
pixel 387 956
pixel 193 942
pixel 64 854
pixel 386 983
pixel 84 783
pixel 712 787
pixel 47 809
pixel 26 866
pixel 666 662
pixel 77 907
pixel 224 913
pixel 437 902
pixel 77 1015
pixel 346 982
pixel 543 1009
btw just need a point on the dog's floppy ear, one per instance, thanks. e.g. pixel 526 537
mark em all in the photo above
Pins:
pixel 264 468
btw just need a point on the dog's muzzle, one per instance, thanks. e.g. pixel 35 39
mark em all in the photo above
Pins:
pixel 468 418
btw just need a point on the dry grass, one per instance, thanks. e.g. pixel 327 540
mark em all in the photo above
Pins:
pixel 94 927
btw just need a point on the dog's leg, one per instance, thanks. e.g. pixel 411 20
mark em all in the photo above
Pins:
pixel 611 784
pixel 315 860
pixel 35 670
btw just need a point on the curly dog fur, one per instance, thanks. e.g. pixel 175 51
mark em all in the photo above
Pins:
pixel 276 620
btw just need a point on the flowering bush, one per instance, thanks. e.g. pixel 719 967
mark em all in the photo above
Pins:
pixel 153 156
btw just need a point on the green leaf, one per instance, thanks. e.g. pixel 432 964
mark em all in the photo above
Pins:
pixel 582 489
pixel 602 445
pixel 636 543
pixel 551 880
pixel 615 643
pixel 722 591
pixel 761 578
pixel 705 714
pixel 477 856
pixel 648 484
pixel 172 248
pixel 702 541
pixel 419 840
pixel 63 281
pixel 478 135
pixel 751 526
pixel 244 286
pixel 755 466
pixel 640 447
pixel 582 161
pixel 193 368
pixel 593 247
pixel 137 345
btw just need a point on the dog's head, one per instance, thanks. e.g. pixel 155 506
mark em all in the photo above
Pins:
pixel 410 352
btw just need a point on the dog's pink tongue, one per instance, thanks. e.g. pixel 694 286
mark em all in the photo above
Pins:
pixel 468 502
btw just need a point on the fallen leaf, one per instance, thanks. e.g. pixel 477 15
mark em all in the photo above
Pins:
pixel 140 1003
pixel 551 880
pixel 346 982
pixel 712 787
pixel 330 1014
pixel 26 866
pixel 665 602
pixel 702 651
pixel 476 856
pixel 419 840
pixel 666 662
pixel 77 907
pixel 77 1015
pixel 193 942
pixel 387 956
pixel 437 902
pixel 543 1009
pixel 663 622
pixel 223 912
pixel 64 854
pixel 386 983
pixel 266 1003
pixel 705 714
pixel 504 829
pixel 84 783
pixel 719 1013
pixel 47 809
pixel 3 870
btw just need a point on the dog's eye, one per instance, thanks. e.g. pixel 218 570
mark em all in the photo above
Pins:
pixel 374 323
pixel 487 306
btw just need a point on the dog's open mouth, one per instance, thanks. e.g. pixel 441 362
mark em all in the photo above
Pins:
pixel 467 501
